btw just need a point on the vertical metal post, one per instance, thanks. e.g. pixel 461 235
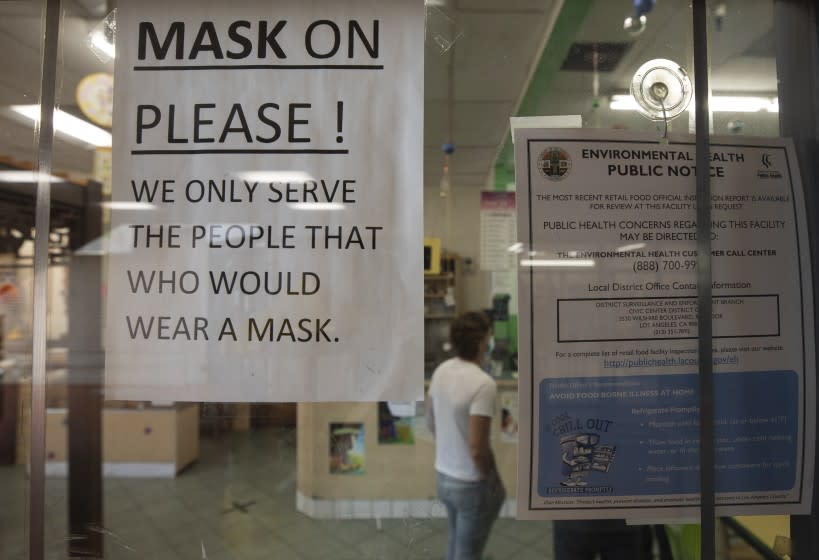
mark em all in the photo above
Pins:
pixel 796 32
pixel 85 365
pixel 42 227
pixel 706 370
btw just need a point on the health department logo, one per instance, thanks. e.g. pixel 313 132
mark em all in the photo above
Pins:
pixel 554 163
pixel 768 172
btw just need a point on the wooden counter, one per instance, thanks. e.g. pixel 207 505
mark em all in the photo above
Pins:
pixel 399 480
pixel 146 443
pixel 136 442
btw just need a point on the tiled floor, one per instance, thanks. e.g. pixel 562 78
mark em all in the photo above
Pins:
pixel 238 503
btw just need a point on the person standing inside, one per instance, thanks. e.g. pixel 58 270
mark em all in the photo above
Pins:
pixel 460 406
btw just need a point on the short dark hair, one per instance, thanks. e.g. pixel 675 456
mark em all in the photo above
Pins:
pixel 467 332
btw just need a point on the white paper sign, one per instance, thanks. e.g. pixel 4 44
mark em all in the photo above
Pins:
pixel 268 181
pixel 609 364
pixel 498 231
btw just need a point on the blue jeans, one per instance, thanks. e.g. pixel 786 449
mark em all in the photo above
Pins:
pixel 472 507
pixel 612 539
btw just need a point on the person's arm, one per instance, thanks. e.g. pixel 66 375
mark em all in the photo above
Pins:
pixel 481 412
pixel 430 414
pixel 479 428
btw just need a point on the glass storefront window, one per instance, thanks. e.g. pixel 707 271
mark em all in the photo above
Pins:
pixel 214 473
pixel 21 24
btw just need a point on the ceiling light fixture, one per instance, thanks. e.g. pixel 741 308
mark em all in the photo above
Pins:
pixel 633 247
pixel 125 205
pixel 740 104
pixel 69 125
pixel 317 206
pixel 23 176
pixel 273 176
pixel 717 104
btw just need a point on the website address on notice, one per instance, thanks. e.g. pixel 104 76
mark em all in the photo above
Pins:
pixel 626 363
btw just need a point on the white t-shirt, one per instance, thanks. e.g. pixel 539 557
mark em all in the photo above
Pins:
pixel 458 390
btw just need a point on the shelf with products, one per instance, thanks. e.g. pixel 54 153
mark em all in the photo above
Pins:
pixel 442 304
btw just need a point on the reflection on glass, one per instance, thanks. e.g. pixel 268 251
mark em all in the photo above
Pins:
pixel 298 480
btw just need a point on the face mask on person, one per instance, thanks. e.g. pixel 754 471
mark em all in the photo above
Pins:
pixel 487 357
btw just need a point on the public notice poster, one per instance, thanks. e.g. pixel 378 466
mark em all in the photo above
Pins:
pixel 609 397
pixel 266 237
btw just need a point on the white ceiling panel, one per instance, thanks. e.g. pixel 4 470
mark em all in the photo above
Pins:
pixel 72 158
pixel 21 60
pixel 604 21
pixel 533 6
pixel 493 58
pixel 86 8
pixel 746 22
pixel 468 166
pixel 18 142
pixel 475 123
pixel 21 8
pixel 473 160
pixel 465 160
pixel 668 35
pixel 436 72
pixel 492 47
pixel 745 74
pixel 481 123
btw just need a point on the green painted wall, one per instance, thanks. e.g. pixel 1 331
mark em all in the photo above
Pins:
pixel 571 17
